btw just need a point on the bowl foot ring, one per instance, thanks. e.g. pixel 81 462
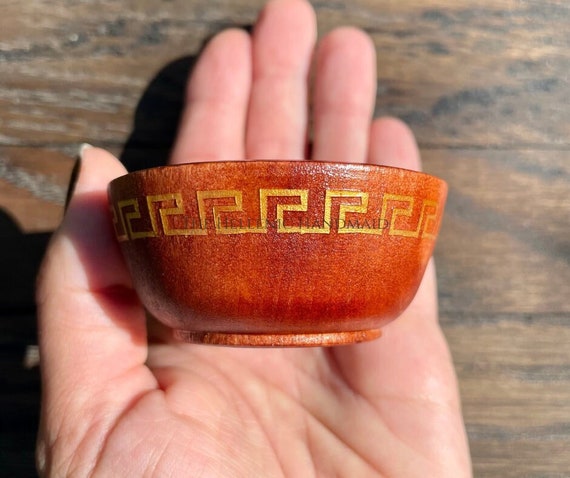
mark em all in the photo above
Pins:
pixel 278 340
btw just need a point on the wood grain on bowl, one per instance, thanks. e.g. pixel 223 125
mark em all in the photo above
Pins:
pixel 277 252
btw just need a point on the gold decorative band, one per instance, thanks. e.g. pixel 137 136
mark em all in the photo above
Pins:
pixel 222 212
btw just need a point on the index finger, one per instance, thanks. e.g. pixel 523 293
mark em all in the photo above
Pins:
pixel 213 121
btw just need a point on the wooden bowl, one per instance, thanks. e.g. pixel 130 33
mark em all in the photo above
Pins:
pixel 276 253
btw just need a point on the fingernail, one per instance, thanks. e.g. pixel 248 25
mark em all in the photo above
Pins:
pixel 82 148
pixel 75 173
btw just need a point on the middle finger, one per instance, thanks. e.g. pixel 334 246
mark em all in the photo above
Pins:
pixel 283 42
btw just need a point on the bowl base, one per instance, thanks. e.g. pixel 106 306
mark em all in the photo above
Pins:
pixel 278 340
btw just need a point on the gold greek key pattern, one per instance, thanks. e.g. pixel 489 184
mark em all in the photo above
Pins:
pixel 218 209
pixel 120 230
pixel 283 211
pixel 127 218
pixel 424 220
pixel 264 194
pixel 344 208
pixel 178 209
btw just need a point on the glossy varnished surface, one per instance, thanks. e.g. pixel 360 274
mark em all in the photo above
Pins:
pixel 277 248
pixel 484 85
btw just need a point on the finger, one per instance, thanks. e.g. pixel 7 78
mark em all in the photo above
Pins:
pixel 344 94
pixel 283 42
pixel 392 143
pixel 213 122
pixel 416 330
pixel 417 377
pixel 413 387
pixel 90 322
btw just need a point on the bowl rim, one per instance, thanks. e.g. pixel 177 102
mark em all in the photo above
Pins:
pixel 334 164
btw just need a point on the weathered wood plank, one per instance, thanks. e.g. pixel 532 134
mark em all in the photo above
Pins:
pixel 33 188
pixel 522 458
pixel 515 388
pixel 484 85
pixel 504 245
pixel 491 74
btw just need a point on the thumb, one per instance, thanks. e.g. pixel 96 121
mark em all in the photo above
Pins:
pixel 91 325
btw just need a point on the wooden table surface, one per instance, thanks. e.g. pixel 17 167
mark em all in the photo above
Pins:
pixel 485 86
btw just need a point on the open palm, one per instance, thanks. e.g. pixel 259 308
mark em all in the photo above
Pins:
pixel 114 405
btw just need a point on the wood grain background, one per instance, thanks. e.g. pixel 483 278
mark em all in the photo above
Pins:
pixel 485 87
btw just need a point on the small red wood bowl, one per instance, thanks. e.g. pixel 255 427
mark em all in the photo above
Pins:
pixel 276 253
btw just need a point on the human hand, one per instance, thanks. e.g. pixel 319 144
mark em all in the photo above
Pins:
pixel 117 404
